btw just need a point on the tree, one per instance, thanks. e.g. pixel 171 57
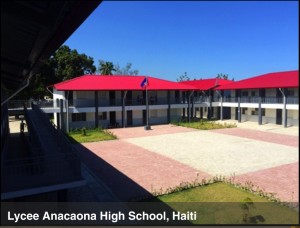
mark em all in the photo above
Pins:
pixel 183 77
pixel 126 70
pixel 106 68
pixel 223 76
pixel 70 64
pixel 64 64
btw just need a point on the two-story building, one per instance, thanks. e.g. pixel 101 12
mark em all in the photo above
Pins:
pixel 117 101
pixel 269 98
pixel 120 101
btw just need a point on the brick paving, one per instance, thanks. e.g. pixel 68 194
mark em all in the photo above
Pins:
pixel 281 180
pixel 287 140
pixel 139 168
pixel 136 132
pixel 133 170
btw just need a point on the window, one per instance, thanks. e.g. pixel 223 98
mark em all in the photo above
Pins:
pixel 78 117
pixel 255 112
pixel 102 116
pixel 244 110
pixel 290 93
pixel 101 94
pixel 253 93
pixel 245 94
pixel 81 94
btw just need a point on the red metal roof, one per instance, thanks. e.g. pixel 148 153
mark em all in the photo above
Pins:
pixel 206 84
pixel 118 82
pixel 286 79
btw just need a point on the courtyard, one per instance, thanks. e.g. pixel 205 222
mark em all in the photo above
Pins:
pixel 142 162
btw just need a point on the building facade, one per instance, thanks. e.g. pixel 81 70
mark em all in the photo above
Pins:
pixel 120 101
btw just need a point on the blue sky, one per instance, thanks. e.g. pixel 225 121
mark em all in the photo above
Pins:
pixel 166 39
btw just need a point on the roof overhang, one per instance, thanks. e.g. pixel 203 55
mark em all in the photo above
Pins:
pixel 32 30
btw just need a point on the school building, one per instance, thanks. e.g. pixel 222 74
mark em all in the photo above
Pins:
pixel 120 101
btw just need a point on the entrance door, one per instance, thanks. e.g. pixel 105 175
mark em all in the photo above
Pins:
pixel 112 118
pixel 279 116
pixel 129 118
pixel 226 113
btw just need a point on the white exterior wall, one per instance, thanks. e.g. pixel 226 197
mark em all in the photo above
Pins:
pixel 57 95
pixel 137 117
pixel 270 116
pixel 175 114
pixel 295 118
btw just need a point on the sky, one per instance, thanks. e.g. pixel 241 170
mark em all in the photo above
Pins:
pixel 164 39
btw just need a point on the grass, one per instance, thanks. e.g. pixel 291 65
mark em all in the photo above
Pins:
pixel 204 124
pixel 222 203
pixel 90 135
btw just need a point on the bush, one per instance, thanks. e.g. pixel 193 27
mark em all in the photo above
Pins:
pixel 83 131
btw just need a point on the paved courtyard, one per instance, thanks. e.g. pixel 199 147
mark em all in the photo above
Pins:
pixel 141 162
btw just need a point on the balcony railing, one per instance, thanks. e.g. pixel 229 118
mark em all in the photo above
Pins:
pixel 264 100
pixel 51 158
pixel 18 104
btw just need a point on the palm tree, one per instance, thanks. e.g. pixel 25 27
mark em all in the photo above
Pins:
pixel 106 68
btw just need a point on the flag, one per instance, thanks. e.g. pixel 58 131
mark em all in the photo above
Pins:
pixel 145 83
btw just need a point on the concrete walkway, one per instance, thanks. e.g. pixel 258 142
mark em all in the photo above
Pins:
pixel 141 162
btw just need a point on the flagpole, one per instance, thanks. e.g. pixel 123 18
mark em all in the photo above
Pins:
pixel 147 127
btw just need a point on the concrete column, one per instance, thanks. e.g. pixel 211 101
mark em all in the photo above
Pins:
pixel 96 110
pixel 239 109
pixel 189 107
pixel 284 108
pixel 58 114
pixel 209 110
pixel 192 111
pixel 221 108
pixel 123 108
pixel 67 115
pixel 259 111
pixel 169 106
pixel 61 116
pixel 201 113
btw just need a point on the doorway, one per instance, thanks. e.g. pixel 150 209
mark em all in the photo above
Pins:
pixel 112 118
pixel 129 118
pixel 279 116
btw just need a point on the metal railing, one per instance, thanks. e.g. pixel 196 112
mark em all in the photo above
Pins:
pixel 264 100
pixel 19 104
pixel 51 159
pixel 39 171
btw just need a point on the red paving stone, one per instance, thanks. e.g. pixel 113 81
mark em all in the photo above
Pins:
pixel 134 132
pixel 131 171
pixel 282 180
pixel 287 140
pixel 151 171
